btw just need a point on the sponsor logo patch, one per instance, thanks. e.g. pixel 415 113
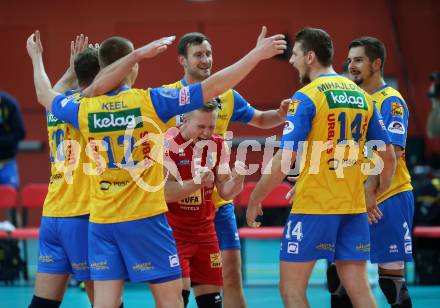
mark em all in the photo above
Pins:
pixel 346 99
pixel 396 128
pixel 293 248
pixel 174 260
pixel 408 248
pixel 184 96
pixel 288 127
pixel 292 107
pixel 397 110
pixel 216 260
pixel 193 199
pixel 64 102
pixel 113 121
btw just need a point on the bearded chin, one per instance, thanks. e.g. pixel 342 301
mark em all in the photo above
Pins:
pixel 305 79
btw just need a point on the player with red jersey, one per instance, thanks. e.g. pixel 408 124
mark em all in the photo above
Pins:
pixel 200 161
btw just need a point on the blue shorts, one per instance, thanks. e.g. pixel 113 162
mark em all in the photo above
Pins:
pixel 226 228
pixel 9 173
pixel 308 237
pixel 63 246
pixel 141 250
pixel 391 237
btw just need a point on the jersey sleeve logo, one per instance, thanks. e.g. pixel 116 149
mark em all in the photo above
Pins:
pixel 396 128
pixel 397 110
pixel 293 105
pixel 184 96
pixel 288 127
pixel 64 102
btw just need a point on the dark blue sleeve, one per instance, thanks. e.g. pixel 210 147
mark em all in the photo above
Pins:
pixel 395 116
pixel 299 120
pixel 243 111
pixel 376 128
pixel 169 102
pixel 66 108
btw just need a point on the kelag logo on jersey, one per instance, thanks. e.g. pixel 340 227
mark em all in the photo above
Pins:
pixel 100 122
pixel 346 99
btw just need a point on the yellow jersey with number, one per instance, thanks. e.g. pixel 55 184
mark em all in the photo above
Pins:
pixel 333 118
pixel 69 189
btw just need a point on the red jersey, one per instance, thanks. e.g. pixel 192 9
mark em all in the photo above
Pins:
pixel 192 218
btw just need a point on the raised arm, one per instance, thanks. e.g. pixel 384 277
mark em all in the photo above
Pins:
pixel 109 77
pixel 230 76
pixel 270 118
pixel 43 87
pixel 69 80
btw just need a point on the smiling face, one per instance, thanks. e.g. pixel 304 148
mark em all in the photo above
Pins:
pixel 299 62
pixel 198 61
pixel 360 68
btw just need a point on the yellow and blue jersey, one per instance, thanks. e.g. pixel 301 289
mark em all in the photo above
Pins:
pixel 327 114
pixel 124 131
pixel 395 115
pixel 69 189
pixel 232 107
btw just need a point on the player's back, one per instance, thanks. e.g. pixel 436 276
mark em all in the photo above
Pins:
pixel 331 181
pixel 126 145
pixel 69 188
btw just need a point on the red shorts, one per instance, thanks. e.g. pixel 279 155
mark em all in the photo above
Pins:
pixel 201 262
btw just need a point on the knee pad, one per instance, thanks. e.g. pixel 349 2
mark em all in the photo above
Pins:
pixel 395 290
pixel 210 300
pixel 185 296
pixel 39 302
pixel 333 282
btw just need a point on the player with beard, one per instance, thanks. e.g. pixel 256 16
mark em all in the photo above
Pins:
pixel 196 57
pixel 391 242
pixel 328 218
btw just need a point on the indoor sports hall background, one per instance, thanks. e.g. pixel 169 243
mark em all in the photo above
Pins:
pixel 410 30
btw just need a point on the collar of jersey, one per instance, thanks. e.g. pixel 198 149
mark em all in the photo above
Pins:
pixel 381 88
pixel 183 81
pixel 121 89
pixel 331 74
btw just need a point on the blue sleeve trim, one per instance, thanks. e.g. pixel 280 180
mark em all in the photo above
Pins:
pixel 243 111
pixel 298 121
pixel 169 102
pixel 66 109
pixel 395 116
pixel 376 128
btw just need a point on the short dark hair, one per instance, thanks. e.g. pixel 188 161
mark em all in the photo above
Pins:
pixel 112 49
pixel 374 49
pixel 318 41
pixel 191 38
pixel 86 65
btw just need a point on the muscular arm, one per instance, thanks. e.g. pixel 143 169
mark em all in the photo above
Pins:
pixel 267 119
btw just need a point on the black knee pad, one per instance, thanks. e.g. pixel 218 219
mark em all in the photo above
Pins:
pixel 185 296
pixel 39 302
pixel 395 290
pixel 333 283
pixel 210 300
